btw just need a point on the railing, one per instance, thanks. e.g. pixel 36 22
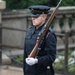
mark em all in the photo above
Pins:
pixel 16 22
pixel 66 48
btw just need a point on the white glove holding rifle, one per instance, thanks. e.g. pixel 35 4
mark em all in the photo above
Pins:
pixel 31 61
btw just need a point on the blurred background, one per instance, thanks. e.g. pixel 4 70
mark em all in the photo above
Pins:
pixel 15 20
pixel 22 4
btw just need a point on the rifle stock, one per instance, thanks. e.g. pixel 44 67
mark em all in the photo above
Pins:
pixel 43 31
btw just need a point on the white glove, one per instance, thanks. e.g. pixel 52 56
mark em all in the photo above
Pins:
pixel 31 61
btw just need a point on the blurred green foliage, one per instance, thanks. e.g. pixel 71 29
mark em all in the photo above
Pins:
pixel 22 4
pixel 60 65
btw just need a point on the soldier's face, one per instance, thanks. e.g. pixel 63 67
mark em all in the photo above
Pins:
pixel 38 21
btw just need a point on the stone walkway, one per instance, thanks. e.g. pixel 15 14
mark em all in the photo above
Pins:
pixel 8 70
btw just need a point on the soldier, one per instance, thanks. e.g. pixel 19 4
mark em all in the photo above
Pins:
pixel 42 64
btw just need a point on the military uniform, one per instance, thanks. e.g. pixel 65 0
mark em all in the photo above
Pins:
pixel 46 52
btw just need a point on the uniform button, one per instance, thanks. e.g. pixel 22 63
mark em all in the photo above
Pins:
pixel 48 67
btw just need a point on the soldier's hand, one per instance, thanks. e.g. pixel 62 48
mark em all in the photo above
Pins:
pixel 31 61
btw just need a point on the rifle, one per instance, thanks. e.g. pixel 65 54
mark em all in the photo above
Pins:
pixel 43 32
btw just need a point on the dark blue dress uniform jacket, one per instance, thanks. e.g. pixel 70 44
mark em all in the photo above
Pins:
pixel 45 57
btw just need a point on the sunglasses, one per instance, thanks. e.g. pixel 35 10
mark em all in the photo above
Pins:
pixel 35 16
